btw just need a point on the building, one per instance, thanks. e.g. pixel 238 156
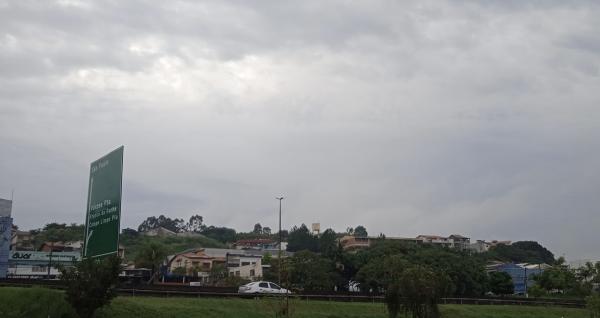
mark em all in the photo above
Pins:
pixel 5 235
pixel 200 262
pixel 437 240
pixel 353 243
pixel 244 265
pixel 36 264
pixel 257 244
pixel 21 240
pixel 522 274
pixel 460 242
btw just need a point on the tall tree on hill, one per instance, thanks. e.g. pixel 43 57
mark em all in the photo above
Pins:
pixel 175 225
pixel 300 239
pixel 257 229
pixel 195 224
pixel 360 231
pixel 328 244
pixel 266 230
pixel 522 252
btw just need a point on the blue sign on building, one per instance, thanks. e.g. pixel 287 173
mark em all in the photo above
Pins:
pixel 5 235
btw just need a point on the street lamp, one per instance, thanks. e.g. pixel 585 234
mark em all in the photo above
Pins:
pixel 279 254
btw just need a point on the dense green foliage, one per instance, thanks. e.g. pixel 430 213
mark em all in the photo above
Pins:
pixel 300 238
pixel 173 244
pixel 522 252
pixel 467 273
pixel 91 284
pixel 501 283
pixel 58 232
pixel 33 303
pixel 150 255
pixel 42 303
pixel 592 303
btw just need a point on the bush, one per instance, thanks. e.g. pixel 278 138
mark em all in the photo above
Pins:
pixel 91 284
pixel 536 291
pixel 33 303
pixel 592 303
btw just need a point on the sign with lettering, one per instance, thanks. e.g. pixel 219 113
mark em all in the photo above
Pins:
pixel 103 217
pixel 44 257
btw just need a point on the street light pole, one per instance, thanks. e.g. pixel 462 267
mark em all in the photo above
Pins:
pixel 279 254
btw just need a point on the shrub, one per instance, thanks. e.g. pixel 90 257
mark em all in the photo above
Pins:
pixel 592 303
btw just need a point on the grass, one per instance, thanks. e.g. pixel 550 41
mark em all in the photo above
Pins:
pixel 38 302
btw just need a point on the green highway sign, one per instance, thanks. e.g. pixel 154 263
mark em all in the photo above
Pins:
pixel 103 216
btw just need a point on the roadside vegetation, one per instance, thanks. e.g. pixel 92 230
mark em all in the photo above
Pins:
pixel 43 303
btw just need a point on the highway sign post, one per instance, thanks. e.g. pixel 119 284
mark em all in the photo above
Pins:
pixel 103 216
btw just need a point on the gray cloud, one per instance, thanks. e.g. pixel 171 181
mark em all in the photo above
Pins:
pixel 415 117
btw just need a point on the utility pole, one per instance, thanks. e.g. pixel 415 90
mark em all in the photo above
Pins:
pixel 280 239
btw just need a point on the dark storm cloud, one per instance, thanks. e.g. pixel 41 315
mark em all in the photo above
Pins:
pixel 408 117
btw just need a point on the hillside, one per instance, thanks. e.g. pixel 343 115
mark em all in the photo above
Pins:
pixel 173 244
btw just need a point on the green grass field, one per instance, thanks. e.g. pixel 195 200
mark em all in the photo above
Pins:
pixel 37 302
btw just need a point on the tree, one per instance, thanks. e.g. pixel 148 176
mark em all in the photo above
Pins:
pixel 179 271
pixel 175 225
pixel 557 278
pixel 360 231
pixel 257 229
pixel 217 273
pixel 501 283
pixel 312 272
pixel 421 289
pixel 151 255
pixel 91 284
pixel 195 224
pixel 266 230
pixel 221 234
pixel 300 238
pixel 58 232
pixel 592 303
pixel 328 244
pixel 522 252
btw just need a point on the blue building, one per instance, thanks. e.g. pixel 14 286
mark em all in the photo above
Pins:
pixel 522 274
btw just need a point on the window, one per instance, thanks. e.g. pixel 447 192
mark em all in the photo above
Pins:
pixel 275 286
pixel 245 263
pixel 38 269
pixel 263 285
pixel 237 273
pixel 252 273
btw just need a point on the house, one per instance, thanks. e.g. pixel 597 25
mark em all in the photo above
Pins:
pixel 72 246
pixel 21 240
pixel 245 266
pixel 353 243
pixel 437 240
pixel 200 262
pixel 255 244
pixel 480 246
pixel 460 242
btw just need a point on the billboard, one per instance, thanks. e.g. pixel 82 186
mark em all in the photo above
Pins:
pixel 5 236
pixel 103 216
pixel 5 207
pixel 44 257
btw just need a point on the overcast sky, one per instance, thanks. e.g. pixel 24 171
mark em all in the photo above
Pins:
pixel 409 117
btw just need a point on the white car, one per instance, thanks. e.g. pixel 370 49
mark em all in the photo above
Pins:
pixel 262 288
